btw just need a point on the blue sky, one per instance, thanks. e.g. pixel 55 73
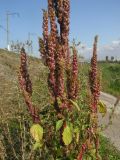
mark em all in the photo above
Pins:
pixel 87 17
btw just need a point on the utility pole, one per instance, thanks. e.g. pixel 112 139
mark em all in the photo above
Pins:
pixel 7 27
pixel 29 42
pixel 3 28
pixel 7 30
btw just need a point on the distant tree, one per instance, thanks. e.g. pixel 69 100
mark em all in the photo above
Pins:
pixel 16 46
pixel 112 58
pixel 107 58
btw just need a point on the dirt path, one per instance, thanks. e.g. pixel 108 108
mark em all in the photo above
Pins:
pixel 113 131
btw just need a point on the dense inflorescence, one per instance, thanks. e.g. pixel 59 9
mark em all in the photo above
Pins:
pixel 54 47
pixel 65 22
pixel 26 87
pixel 25 80
pixel 74 86
pixel 51 66
pixel 94 79
pixel 92 140
pixel 59 72
pixel 43 43
pixel 68 73
pixel 95 93
pixel 45 26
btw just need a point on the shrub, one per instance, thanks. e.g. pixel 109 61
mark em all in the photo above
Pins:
pixel 67 128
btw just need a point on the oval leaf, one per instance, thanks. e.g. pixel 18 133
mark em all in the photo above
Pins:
pixel 37 132
pixel 59 124
pixel 67 135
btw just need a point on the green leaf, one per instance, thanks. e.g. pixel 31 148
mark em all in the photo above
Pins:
pixel 75 104
pixel 77 137
pixel 59 124
pixel 67 135
pixel 93 153
pixel 70 125
pixel 76 130
pixel 36 132
pixel 89 158
pixel 37 145
pixel 102 108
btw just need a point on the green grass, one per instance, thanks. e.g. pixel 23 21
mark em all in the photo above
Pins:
pixel 107 150
pixel 110 78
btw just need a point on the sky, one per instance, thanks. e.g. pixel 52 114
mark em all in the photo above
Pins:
pixel 87 18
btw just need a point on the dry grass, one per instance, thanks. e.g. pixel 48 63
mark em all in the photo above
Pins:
pixel 10 95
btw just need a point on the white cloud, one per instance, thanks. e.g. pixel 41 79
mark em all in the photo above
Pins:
pixel 109 50
pixel 117 42
pixel 107 47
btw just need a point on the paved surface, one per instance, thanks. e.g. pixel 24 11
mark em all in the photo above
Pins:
pixel 113 130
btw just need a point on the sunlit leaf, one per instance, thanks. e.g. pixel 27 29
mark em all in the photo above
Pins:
pixel 71 126
pixel 77 137
pixel 89 158
pixel 67 135
pixel 59 124
pixel 93 153
pixel 37 132
pixel 37 145
pixel 76 130
pixel 102 108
